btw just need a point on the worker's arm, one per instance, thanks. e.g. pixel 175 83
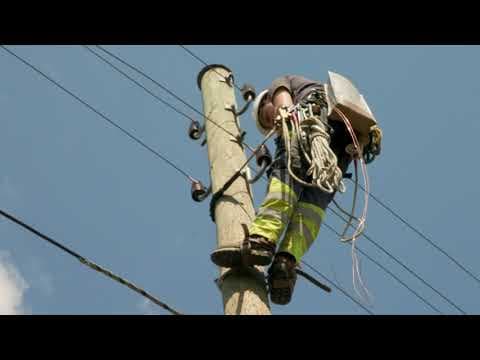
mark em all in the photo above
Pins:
pixel 280 98
pixel 281 93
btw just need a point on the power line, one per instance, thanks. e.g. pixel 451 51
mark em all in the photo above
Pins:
pixel 141 72
pixel 395 214
pixel 337 287
pixel 137 83
pixel 192 53
pixel 150 92
pixel 91 264
pixel 203 62
pixel 379 265
pixel 100 114
pixel 387 271
pixel 324 277
pixel 136 69
pixel 399 262
pixel 403 265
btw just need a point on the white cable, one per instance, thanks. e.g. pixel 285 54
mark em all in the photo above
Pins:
pixel 354 203
pixel 361 224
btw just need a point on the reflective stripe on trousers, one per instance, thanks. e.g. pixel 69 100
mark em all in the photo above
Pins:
pixel 303 229
pixel 281 208
pixel 276 210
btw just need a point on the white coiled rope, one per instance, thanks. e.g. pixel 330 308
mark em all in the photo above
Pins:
pixel 323 166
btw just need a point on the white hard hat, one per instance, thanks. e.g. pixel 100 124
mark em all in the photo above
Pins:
pixel 256 106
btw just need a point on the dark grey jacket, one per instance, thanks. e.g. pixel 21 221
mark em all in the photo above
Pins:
pixel 298 86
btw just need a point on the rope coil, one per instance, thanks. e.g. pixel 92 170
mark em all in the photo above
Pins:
pixel 313 136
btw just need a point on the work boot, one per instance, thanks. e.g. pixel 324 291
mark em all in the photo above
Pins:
pixel 282 278
pixel 258 251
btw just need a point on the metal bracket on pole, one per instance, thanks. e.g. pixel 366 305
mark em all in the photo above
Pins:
pixel 228 79
pixel 243 109
pixel 248 94
pixel 231 108
pixel 241 137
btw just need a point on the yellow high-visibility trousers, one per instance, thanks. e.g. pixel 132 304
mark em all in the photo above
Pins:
pixel 283 207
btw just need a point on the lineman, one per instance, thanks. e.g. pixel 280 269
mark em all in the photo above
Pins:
pixel 290 206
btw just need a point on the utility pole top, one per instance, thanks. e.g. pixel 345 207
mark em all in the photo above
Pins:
pixel 210 67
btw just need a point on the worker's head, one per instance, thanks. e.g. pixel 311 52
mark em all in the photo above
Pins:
pixel 256 112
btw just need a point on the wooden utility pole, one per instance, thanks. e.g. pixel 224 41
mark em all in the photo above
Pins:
pixel 243 292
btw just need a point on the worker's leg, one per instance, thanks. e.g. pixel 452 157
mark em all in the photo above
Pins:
pixel 272 217
pixel 282 196
pixel 299 237
pixel 305 224
pixel 277 208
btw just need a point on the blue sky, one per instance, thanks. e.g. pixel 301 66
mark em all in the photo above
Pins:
pixel 73 176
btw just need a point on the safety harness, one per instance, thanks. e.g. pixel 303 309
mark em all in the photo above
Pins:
pixel 309 127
